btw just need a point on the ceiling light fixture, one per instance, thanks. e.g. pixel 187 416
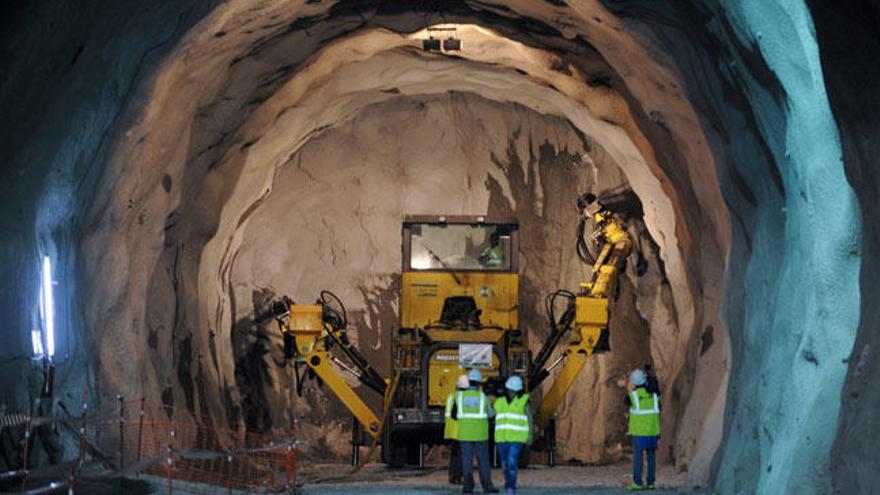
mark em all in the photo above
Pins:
pixel 431 44
pixel 451 43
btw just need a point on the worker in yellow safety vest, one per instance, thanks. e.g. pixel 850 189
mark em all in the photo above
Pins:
pixel 492 256
pixel 450 433
pixel 513 429
pixel 644 428
pixel 472 410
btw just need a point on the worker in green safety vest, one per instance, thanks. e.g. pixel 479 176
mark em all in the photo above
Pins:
pixel 492 256
pixel 472 410
pixel 513 429
pixel 644 428
pixel 450 433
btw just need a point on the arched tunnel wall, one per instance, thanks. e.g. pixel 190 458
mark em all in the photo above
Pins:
pixel 736 82
pixel 276 129
pixel 457 153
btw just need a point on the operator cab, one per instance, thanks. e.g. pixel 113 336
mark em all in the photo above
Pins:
pixel 458 311
pixel 459 298
pixel 459 272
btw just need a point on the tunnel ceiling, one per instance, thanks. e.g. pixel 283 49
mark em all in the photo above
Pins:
pixel 176 138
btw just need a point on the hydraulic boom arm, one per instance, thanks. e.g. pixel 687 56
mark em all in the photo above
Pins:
pixel 310 331
pixel 585 319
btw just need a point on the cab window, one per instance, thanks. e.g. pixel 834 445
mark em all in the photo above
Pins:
pixel 459 247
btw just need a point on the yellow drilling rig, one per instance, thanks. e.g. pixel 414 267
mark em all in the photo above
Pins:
pixel 459 305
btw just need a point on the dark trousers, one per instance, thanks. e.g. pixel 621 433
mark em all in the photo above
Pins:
pixel 467 465
pixel 640 445
pixel 509 452
pixel 454 463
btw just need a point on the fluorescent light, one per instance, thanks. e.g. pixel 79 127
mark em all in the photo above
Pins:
pixel 37 341
pixel 48 306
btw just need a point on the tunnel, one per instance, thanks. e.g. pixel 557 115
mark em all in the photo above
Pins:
pixel 173 167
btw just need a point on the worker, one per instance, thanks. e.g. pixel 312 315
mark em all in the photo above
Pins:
pixel 644 428
pixel 472 410
pixel 513 429
pixel 450 433
pixel 493 255
pixel 652 385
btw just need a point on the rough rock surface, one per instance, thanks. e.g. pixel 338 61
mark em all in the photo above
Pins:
pixel 214 199
pixel 333 222
pixel 142 141
pixel 855 457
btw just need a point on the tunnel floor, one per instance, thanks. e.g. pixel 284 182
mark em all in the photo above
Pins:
pixel 416 490
pixel 538 480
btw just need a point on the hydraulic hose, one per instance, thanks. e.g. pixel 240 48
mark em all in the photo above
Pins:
pixel 583 250
pixel 558 329
pixel 337 319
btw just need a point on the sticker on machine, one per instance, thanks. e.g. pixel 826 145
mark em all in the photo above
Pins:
pixel 475 355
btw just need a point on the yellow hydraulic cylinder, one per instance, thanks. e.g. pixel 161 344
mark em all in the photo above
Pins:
pixel 591 316
pixel 307 328
pixel 319 360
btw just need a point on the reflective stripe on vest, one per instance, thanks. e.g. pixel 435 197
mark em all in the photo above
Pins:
pixel 511 427
pixel 511 416
pixel 638 410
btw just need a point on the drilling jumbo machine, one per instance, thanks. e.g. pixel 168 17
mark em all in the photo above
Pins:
pixel 458 311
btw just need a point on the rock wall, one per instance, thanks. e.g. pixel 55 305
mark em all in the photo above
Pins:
pixel 202 199
pixel 333 222
pixel 138 156
pixel 854 457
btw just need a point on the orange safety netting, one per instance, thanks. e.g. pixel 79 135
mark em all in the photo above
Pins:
pixel 183 455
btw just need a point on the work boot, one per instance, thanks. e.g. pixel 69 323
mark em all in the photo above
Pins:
pixel 634 487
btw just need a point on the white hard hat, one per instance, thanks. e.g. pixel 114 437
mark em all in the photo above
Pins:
pixel 475 375
pixel 463 382
pixel 638 377
pixel 514 384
